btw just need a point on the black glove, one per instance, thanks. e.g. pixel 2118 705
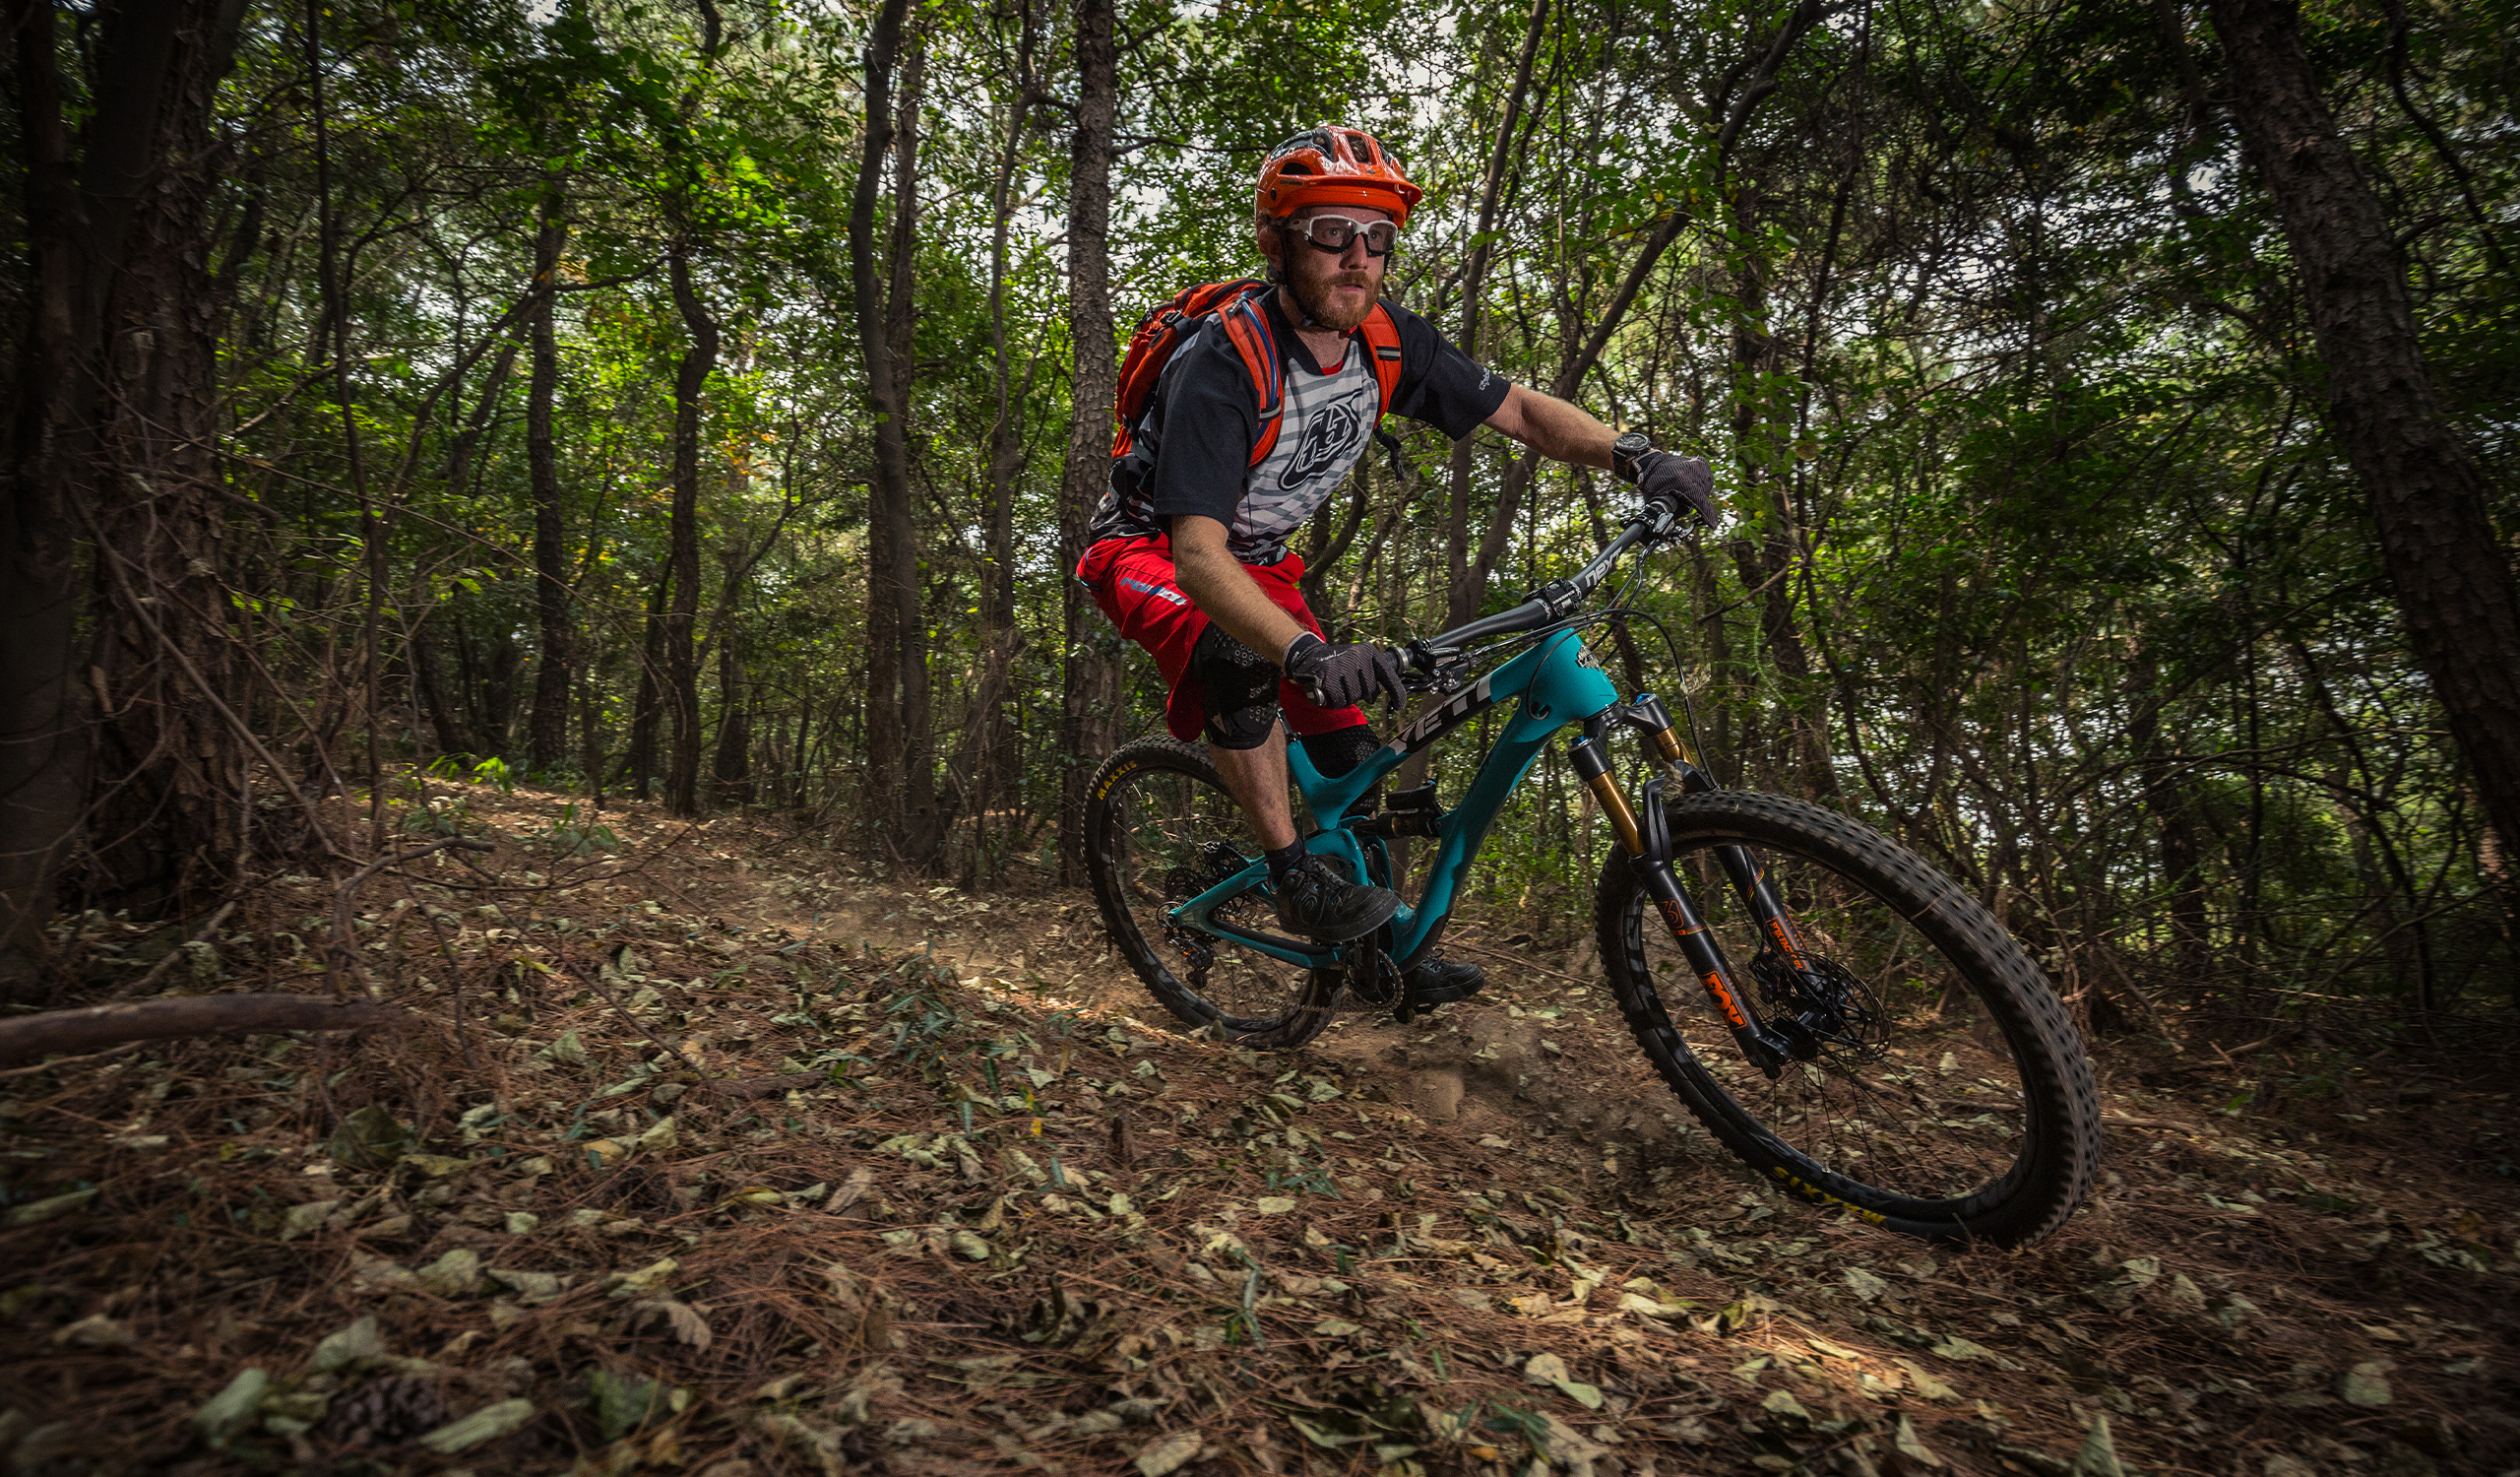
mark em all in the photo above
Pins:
pixel 1674 482
pixel 1334 676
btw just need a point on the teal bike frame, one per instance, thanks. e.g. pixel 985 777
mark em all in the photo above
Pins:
pixel 1556 682
pixel 1553 683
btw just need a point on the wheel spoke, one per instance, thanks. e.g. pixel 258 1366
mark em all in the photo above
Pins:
pixel 1170 831
pixel 1928 1046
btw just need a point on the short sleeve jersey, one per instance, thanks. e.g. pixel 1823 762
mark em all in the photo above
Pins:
pixel 1191 451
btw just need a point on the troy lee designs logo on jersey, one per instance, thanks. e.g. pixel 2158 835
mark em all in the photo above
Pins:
pixel 1331 434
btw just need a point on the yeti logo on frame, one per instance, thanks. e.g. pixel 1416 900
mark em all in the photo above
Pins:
pixel 1441 721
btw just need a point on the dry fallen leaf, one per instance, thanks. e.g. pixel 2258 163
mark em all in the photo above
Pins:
pixel 1168 1453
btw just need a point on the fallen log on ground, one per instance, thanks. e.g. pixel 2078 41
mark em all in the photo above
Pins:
pixel 29 1037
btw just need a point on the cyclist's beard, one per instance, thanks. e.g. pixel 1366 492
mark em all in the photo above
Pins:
pixel 1313 293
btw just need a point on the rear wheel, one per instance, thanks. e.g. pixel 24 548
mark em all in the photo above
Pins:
pixel 1160 828
pixel 1941 1091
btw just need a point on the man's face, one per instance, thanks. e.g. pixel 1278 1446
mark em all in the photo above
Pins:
pixel 1334 289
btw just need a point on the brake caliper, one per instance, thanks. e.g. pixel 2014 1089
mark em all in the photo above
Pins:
pixel 1822 1008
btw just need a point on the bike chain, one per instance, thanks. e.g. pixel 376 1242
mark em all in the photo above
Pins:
pixel 1371 976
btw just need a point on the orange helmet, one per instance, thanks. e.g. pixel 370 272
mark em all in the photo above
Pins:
pixel 1332 166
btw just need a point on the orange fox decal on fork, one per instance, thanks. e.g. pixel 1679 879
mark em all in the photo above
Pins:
pixel 1651 858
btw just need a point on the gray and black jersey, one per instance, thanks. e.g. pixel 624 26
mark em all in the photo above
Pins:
pixel 1192 451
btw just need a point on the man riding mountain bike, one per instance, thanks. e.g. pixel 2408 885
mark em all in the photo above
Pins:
pixel 1260 412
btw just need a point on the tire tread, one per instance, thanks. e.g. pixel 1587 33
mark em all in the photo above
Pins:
pixel 2048 1047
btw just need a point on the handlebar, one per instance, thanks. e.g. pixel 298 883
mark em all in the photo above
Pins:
pixel 1549 603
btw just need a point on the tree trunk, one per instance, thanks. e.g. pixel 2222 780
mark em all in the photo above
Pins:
pixel 683 611
pixel 442 722
pixel 691 376
pixel 731 766
pixel 1090 704
pixel 110 437
pixel 990 736
pixel 547 731
pixel 43 750
pixel 1474 281
pixel 888 489
pixel 2450 575
pixel 2168 800
pixel 923 818
pixel 1766 563
pixel 54 1032
pixel 650 704
pixel 468 440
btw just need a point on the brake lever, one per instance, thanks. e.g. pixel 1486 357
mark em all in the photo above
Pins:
pixel 1423 671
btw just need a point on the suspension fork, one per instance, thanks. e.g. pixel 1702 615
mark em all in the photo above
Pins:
pixel 1749 881
pixel 1651 861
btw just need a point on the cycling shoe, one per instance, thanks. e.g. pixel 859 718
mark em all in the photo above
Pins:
pixel 1441 981
pixel 1318 904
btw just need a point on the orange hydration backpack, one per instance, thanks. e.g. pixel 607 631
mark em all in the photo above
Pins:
pixel 1237 305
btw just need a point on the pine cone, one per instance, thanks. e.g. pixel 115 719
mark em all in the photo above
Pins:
pixel 385 1413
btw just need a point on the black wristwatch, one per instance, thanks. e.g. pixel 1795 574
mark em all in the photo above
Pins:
pixel 1624 454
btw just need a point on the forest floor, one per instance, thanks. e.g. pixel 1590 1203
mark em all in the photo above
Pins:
pixel 606 1209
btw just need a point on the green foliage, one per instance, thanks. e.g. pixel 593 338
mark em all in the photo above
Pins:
pixel 575 838
pixel 2042 557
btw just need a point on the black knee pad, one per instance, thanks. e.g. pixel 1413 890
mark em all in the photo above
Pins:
pixel 1342 749
pixel 1239 687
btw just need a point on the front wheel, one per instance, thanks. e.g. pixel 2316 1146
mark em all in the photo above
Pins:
pixel 1939 1090
pixel 1159 830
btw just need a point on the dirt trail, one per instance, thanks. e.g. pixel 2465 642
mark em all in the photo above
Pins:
pixel 721 1175
pixel 1484 1065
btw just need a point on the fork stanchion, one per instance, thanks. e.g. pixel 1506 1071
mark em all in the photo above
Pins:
pixel 1594 771
pixel 1760 1047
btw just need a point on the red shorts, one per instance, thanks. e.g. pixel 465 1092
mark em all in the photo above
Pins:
pixel 1133 582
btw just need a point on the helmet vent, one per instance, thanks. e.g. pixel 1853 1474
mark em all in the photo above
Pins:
pixel 1335 165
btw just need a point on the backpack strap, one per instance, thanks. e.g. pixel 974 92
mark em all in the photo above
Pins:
pixel 1150 348
pixel 1248 327
pixel 1382 336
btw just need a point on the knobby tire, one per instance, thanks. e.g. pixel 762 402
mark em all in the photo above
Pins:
pixel 1160 829
pixel 1955 1104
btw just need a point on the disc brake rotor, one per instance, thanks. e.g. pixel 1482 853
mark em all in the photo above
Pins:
pixel 1824 1004
pixel 1219 861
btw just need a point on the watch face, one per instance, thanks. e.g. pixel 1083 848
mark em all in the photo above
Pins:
pixel 1626 449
